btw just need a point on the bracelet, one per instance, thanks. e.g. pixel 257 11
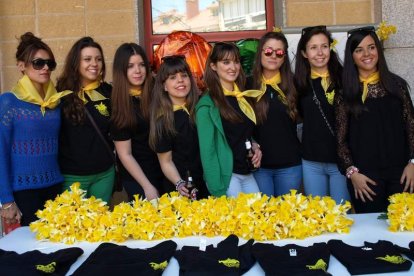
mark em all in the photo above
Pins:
pixel 350 171
pixel 179 183
pixel 8 206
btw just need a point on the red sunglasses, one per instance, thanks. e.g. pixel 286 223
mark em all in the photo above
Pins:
pixel 269 52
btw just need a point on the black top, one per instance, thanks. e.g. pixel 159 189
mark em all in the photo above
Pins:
pixel 141 151
pixel 369 258
pixel 81 150
pixel 383 134
pixel 184 147
pixel 227 258
pixel 35 263
pixel 236 135
pixel 114 259
pixel 293 259
pixel 277 135
pixel 318 143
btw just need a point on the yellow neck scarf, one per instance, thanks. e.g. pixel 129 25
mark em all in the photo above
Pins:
pixel 91 92
pixel 325 82
pixel 273 82
pixel 243 104
pixel 374 78
pixel 181 107
pixel 25 91
pixel 135 92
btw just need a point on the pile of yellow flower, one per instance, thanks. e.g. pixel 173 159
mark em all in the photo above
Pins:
pixel 72 217
pixel 401 212
pixel 384 30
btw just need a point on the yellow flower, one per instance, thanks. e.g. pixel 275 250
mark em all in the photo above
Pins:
pixel 71 217
pixel 333 44
pixel 384 30
pixel 401 212
pixel 277 29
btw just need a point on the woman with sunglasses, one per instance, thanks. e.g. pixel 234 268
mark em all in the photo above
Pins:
pixel 318 75
pixel 276 114
pixel 131 97
pixel 225 118
pixel 173 134
pixel 29 127
pixel 375 125
pixel 85 155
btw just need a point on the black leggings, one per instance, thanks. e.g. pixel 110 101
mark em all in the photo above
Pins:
pixel 388 183
pixel 29 201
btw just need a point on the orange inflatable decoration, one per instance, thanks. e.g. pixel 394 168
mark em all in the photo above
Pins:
pixel 194 47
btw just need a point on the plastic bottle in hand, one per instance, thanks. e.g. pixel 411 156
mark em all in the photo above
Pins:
pixel 249 156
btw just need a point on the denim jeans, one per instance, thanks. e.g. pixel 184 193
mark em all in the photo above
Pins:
pixel 324 179
pixel 276 182
pixel 240 183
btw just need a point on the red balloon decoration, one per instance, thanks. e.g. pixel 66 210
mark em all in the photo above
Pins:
pixel 194 47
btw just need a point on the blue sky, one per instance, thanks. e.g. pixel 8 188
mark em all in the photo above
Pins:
pixel 163 5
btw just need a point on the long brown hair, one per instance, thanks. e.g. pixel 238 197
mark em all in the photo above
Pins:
pixel 162 114
pixel 287 84
pixel 123 115
pixel 222 51
pixel 302 65
pixel 70 79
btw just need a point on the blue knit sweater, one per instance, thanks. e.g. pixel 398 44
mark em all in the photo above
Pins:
pixel 28 147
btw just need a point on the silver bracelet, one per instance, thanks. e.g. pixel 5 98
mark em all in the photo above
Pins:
pixel 179 183
pixel 8 206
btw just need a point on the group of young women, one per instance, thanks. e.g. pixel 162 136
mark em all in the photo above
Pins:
pixel 357 141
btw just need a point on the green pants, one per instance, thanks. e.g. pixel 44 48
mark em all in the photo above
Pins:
pixel 99 185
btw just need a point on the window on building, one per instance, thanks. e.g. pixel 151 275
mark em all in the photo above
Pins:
pixel 215 20
pixel 232 20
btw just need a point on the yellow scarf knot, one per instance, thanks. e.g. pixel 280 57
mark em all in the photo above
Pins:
pixel 244 105
pixel 181 107
pixel 135 92
pixel 25 91
pixel 374 78
pixel 273 82
pixel 325 82
pixel 91 92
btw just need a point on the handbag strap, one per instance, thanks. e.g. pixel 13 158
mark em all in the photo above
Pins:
pixel 318 103
pixel 98 131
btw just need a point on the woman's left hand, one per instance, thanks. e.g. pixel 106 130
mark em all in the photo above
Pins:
pixel 407 178
pixel 257 156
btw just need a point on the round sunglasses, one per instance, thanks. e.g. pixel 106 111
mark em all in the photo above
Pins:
pixel 39 64
pixel 269 52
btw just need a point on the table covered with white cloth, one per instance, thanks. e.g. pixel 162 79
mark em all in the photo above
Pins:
pixel 366 227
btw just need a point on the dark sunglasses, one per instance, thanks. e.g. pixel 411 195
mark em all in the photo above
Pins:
pixel 366 29
pixel 39 64
pixel 269 52
pixel 308 29
pixel 172 57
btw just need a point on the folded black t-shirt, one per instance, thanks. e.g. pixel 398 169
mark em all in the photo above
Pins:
pixel 113 259
pixel 379 257
pixel 227 259
pixel 37 263
pixel 292 259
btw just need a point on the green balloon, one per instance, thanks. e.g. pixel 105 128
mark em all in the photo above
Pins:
pixel 248 49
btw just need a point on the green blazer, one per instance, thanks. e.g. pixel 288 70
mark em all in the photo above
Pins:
pixel 215 152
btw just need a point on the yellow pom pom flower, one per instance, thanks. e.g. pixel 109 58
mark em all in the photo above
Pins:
pixel 401 212
pixel 384 31
pixel 73 218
